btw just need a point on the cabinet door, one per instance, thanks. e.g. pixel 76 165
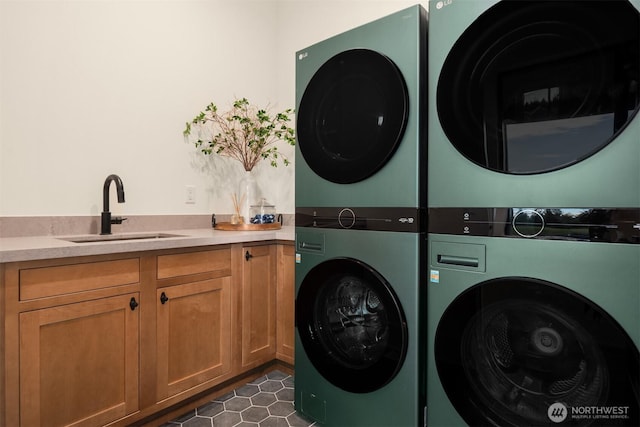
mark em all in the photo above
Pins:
pixel 285 303
pixel 79 362
pixel 193 334
pixel 258 305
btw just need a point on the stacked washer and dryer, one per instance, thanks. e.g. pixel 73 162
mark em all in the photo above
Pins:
pixel 360 238
pixel 534 213
pixel 532 269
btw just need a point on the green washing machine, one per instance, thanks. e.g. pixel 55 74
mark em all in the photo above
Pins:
pixel 360 237
pixel 533 317
pixel 358 327
pixel 360 124
pixel 534 103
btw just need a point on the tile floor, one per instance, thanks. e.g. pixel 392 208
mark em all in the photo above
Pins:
pixel 264 402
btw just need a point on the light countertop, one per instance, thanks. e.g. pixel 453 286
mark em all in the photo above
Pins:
pixel 14 249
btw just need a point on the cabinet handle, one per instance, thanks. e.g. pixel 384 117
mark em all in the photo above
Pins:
pixel 247 256
pixel 163 298
pixel 133 303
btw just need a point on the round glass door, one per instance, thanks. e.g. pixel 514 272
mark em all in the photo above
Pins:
pixel 518 351
pixel 351 325
pixel 352 116
pixel 535 86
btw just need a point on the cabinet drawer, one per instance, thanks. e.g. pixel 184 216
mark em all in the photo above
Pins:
pixel 183 264
pixel 42 282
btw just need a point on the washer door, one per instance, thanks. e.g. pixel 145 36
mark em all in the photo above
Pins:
pixel 351 325
pixel 352 116
pixel 534 86
pixel 519 351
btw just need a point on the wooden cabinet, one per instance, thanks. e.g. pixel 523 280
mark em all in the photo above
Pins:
pixel 71 341
pixel 285 320
pixel 114 339
pixel 258 305
pixel 194 320
pixel 79 362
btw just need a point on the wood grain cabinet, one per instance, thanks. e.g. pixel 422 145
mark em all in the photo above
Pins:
pixel 194 320
pixel 285 320
pixel 79 363
pixel 115 339
pixel 71 342
pixel 258 305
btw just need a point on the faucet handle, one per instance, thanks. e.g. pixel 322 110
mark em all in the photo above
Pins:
pixel 118 219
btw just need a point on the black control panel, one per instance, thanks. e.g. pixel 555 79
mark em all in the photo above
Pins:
pixel 615 225
pixel 379 219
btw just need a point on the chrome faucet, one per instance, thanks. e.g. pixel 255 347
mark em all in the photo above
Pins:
pixel 106 215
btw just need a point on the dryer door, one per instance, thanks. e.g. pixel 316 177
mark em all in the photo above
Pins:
pixel 352 116
pixel 535 86
pixel 519 351
pixel 351 325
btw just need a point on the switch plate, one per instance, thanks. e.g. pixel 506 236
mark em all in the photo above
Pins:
pixel 190 194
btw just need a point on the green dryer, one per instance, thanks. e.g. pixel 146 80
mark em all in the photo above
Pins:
pixel 534 103
pixel 360 122
pixel 535 319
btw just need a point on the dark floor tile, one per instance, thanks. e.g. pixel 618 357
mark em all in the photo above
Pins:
pixel 274 422
pixel 263 399
pixel 285 394
pixel 271 386
pixel 295 420
pixel 198 422
pixel 276 375
pixel 247 390
pixel 226 419
pixel 254 414
pixel 258 380
pixel 281 409
pixel 264 402
pixel 237 404
pixel 210 409
pixel 288 382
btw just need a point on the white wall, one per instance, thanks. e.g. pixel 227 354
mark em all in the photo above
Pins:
pixel 93 87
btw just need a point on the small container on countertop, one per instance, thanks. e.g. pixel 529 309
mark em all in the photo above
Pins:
pixel 263 213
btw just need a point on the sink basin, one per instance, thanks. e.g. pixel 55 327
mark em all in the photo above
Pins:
pixel 93 238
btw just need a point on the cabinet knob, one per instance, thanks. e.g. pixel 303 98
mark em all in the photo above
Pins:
pixel 163 298
pixel 133 303
pixel 247 256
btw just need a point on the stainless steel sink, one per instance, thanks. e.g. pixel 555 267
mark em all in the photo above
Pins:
pixel 93 238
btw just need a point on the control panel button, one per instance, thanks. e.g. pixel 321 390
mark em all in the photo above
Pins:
pixel 528 223
pixel 346 218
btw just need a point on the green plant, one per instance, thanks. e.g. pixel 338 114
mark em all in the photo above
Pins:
pixel 245 133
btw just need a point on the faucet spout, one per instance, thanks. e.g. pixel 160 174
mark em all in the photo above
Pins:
pixel 106 220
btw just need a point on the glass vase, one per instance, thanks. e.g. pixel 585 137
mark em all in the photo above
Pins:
pixel 249 194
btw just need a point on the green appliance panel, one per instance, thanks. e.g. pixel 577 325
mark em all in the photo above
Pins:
pixel 563 311
pixel 350 124
pixel 523 110
pixel 396 400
